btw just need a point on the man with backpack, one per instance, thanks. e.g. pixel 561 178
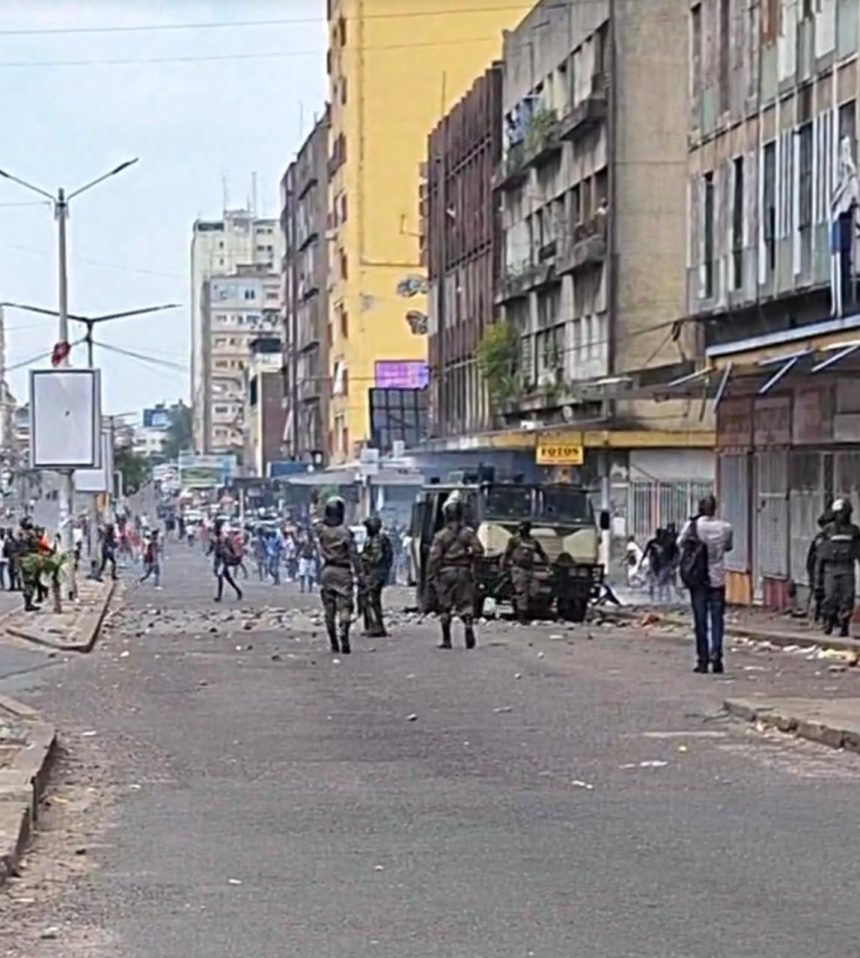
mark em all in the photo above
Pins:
pixel 152 559
pixel 225 560
pixel 703 544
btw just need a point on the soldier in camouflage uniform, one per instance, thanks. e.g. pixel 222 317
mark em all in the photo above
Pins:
pixel 341 571
pixel 377 557
pixel 28 548
pixel 450 571
pixel 522 553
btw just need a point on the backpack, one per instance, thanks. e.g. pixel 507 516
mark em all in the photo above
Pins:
pixel 232 556
pixel 693 565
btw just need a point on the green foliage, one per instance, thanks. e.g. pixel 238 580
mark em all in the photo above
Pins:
pixel 497 355
pixel 541 128
pixel 135 469
pixel 179 432
pixel 49 564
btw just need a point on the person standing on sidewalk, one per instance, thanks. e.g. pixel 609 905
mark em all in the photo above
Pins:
pixel 838 554
pixel 703 544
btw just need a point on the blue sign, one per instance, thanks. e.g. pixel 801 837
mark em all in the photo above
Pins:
pixel 156 418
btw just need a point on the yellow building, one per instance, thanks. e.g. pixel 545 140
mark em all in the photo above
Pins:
pixel 394 70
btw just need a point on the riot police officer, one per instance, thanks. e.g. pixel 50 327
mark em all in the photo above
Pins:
pixel 450 570
pixel 28 551
pixel 377 557
pixel 838 553
pixel 341 571
pixel 522 553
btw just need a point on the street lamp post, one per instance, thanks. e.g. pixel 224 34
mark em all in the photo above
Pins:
pixel 61 212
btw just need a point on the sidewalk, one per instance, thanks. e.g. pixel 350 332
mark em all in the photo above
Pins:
pixel 759 625
pixel 831 722
pixel 26 750
pixel 75 629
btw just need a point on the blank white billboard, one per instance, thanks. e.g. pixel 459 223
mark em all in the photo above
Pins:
pixel 65 419
pixel 100 479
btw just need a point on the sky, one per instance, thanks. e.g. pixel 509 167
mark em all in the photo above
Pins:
pixel 200 127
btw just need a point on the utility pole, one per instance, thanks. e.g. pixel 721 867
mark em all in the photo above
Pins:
pixel 60 203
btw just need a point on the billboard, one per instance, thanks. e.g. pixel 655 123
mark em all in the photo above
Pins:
pixel 156 418
pixel 99 479
pixel 65 419
pixel 401 374
pixel 206 471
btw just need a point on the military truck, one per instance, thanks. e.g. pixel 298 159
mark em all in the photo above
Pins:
pixel 562 520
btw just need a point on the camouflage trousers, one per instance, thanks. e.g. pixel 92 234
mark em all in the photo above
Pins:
pixel 336 592
pixel 524 584
pixel 455 593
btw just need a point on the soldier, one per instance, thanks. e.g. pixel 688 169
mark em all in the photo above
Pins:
pixel 28 550
pixel 838 554
pixel 340 572
pixel 450 571
pixel 377 558
pixel 520 556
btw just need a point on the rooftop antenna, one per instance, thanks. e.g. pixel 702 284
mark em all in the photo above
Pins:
pixel 225 197
pixel 254 193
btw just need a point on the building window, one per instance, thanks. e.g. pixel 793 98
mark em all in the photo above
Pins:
pixel 344 440
pixel 805 186
pixel 344 323
pixel 848 126
pixel 724 54
pixel 769 204
pixel 696 50
pixel 341 31
pixel 250 294
pixel 738 223
pixel 343 90
pixel 708 237
pixel 344 270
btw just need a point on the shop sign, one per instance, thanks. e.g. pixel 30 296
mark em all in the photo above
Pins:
pixel 554 453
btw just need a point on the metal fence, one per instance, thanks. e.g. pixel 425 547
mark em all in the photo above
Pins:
pixel 653 504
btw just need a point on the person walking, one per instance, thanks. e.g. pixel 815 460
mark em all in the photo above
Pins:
pixel 341 572
pixel 656 566
pixel 12 556
pixel 377 557
pixel 108 552
pixel 839 553
pixel 274 547
pixel 521 555
pixel 28 552
pixel 307 562
pixel 702 545
pixel 224 560
pixel 152 559
pixel 450 571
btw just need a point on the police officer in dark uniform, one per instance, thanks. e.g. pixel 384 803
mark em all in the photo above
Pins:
pixel 450 570
pixel 340 573
pixel 838 553
pixel 521 555
pixel 377 557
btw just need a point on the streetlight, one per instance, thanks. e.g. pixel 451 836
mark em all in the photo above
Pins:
pixel 90 322
pixel 60 202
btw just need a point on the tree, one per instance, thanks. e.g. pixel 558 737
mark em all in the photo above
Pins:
pixel 135 469
pixel 497 354
pixel 179 432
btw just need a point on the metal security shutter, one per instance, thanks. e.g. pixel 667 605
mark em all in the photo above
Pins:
pixel 734 506
pixel 771 546
pixel 846 478
pixel 655 504
pixel 805 505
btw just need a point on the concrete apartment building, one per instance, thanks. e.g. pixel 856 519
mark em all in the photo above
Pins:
pixel 772 270
pixel 264 415
pixel 220 247
pixel 593 199
pixel 237 309
pixel 304 271
pixel 463 254
pixel 393 72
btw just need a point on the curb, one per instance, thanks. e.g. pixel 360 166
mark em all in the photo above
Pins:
pixel 831 736
pixel 782 639
pixel 93 619
pixel 22 785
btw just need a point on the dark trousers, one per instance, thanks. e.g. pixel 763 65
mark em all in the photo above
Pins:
pixel 223 574
pixel 373 621
pixel 709 603
pixel 108 557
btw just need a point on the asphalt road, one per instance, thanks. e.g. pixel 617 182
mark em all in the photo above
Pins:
pixel 232 791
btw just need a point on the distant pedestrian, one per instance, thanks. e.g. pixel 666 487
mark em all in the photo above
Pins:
pixel 703 544
pixel 656 565
pixel 108 549
pixel 377 557
pixel 152 560
pixel 307 562
pixel 341 572
pixel 223 562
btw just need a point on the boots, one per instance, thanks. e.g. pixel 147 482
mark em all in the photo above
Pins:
pixel 344 640
pixel 470 636
pixel 446 636
pixel 332 638
pixel 845 629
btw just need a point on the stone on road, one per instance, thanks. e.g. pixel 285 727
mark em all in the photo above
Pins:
pixel 244 796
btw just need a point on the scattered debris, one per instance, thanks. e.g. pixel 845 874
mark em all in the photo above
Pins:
pixel 578 783
pixel 412 718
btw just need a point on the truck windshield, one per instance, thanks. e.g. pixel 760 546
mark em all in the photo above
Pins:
pixel 559 505
pixel 570 506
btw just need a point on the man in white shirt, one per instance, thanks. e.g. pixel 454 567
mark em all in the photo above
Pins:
pixel 708 586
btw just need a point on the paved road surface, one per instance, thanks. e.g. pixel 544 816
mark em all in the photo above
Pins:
pixel 231 792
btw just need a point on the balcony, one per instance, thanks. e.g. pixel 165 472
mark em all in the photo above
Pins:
pixel 587 114
pixel 310 389
pixel 520 280
pixel 587 248
pixel 540 143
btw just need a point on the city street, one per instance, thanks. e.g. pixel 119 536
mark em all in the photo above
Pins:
pixel 228 788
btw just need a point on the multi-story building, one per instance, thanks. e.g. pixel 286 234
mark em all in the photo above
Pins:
pixel 237 309
pixel 394 71
pixel 220 247
pixel 148 441
pixel 591 295
pixel 462 230
pixel 304 212
pixel 264 415
pixel 772 269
